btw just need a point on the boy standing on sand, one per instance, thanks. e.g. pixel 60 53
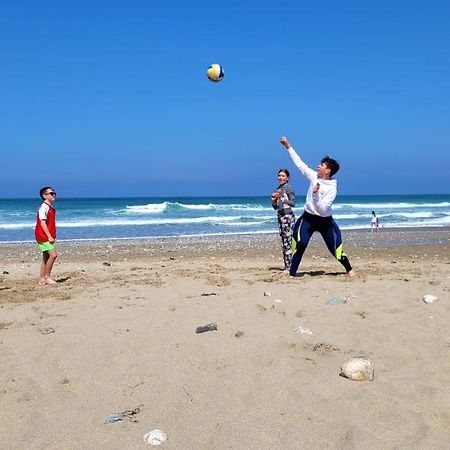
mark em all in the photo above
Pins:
pixel 45 233
pixel 317 214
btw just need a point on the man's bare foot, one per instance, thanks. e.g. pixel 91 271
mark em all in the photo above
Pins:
pixel 42 283
pixel 50 281
pixel 351 274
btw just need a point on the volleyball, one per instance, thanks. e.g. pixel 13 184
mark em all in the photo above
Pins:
pixel 215 73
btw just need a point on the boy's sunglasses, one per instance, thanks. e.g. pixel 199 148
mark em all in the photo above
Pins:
pixel 50 193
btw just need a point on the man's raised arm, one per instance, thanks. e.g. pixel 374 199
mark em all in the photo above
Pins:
pixel 304 169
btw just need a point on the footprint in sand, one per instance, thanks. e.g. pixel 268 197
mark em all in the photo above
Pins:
pixel 361 314
pixel 5 325
pixel 323 349
pixel 320 348
pixel 217 280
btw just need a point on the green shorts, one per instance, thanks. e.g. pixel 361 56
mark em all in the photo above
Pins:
pixel 45 246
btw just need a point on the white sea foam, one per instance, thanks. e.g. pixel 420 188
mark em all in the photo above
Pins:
pixel 196 207
pixel 431 223
pixel 150 238
pixel 242 224
pixel 245 207
pixel 150 208
pixel 126 222
pixel 162 221
pixel 376 206
pixel 223 207
pixel 241 220
pixel 409 215
pixel 349 216
pixel 441 222
pixel 16 226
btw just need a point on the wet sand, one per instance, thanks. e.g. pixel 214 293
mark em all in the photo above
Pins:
pixel 118 332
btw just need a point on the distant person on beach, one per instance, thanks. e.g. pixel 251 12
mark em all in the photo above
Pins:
pixel 283 200
pixel 374 222
pixel 45 233
pixel 317 214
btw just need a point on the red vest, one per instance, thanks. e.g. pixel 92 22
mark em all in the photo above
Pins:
pixel 51 225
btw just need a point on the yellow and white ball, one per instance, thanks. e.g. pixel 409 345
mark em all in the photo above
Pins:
pixel 215 73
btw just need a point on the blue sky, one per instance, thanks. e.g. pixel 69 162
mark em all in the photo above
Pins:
pixel 110 98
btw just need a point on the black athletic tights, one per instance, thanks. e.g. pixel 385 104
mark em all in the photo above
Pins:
pixel 304 228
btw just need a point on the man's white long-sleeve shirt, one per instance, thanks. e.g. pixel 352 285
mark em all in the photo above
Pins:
pixel 318 203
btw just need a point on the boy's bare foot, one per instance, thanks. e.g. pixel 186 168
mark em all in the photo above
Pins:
pixel 351 274
pixel 42 283
pixel 50 281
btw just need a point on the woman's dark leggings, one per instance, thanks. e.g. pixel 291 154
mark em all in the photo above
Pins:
pixel 304 228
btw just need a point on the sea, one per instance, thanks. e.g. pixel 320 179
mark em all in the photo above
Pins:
pixel 170 217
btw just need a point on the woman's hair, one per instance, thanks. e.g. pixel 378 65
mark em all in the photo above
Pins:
pixel 286 172
pixel 373 212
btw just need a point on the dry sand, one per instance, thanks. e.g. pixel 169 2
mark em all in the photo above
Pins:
pixel 117 336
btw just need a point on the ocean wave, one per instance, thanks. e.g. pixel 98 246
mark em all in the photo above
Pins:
pixel 375 206
pixel 221 207
pixel 350 216
pixel 438 222
pixel 16 226
pixel 237 207
pixel 442 222
pixel 225 220
pixel 161 221
pixel 158 208
pixel 128 222
pixel 194 207
pixel 242 224
pixel 150 208
pixel 412 215
pixel 432 223
pixel 150 238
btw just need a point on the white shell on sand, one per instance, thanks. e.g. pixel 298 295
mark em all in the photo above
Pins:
pixel 429 298
pixel 155 437
pixel 302 330
pixel 358 369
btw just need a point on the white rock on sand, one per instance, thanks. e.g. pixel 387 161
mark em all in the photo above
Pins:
pixel 358 369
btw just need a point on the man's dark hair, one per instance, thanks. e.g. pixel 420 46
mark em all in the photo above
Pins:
pixel 41 192
pixel 332 164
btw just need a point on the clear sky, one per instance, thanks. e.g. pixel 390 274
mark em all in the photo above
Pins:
pixel 110 98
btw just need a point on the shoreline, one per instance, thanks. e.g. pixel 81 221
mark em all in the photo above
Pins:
pixel 237 235
pixel 344 229
pixel 263 243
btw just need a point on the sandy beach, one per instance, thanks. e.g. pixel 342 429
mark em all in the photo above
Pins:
pixel 117 333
